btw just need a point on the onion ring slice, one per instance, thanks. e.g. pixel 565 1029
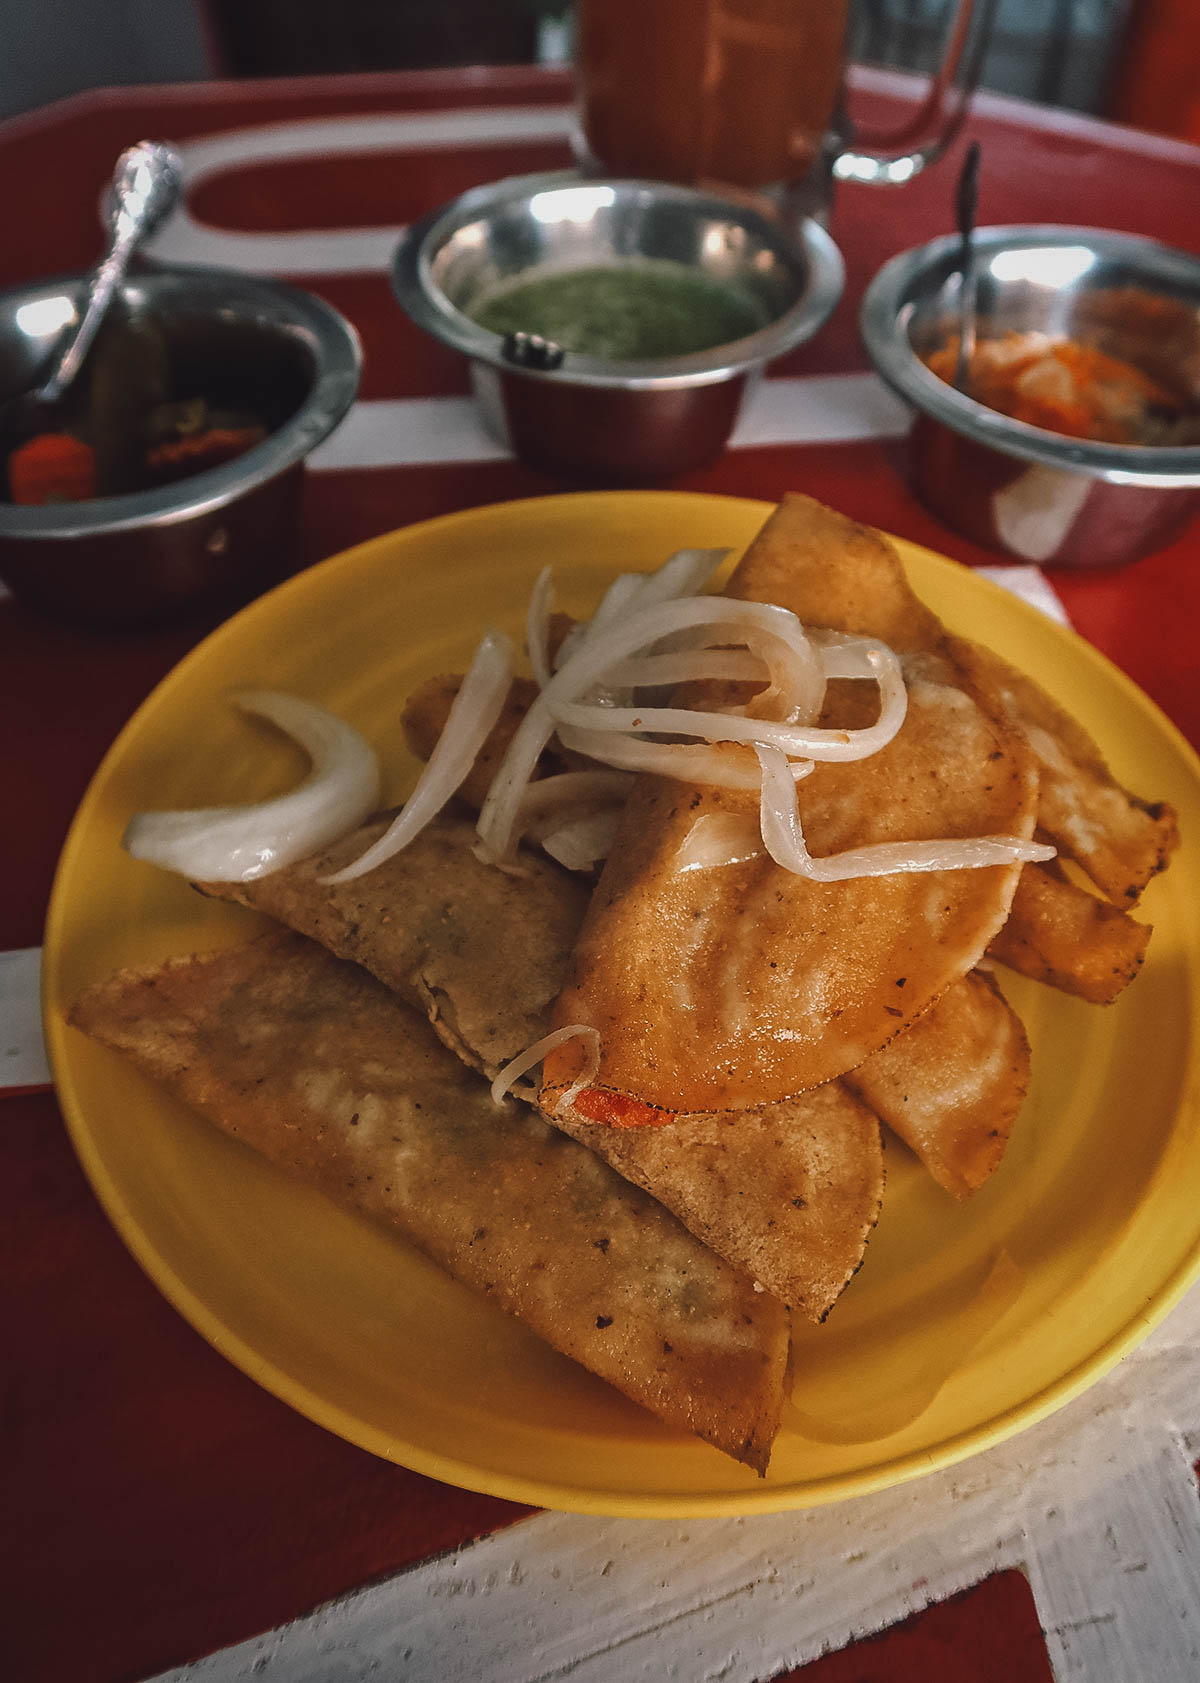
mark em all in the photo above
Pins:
pixel 472 715
pixel 240 843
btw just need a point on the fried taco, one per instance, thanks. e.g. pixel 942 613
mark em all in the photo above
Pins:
pixel 313 1063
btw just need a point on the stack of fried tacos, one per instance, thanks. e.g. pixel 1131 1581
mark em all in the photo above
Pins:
pixel 759 1032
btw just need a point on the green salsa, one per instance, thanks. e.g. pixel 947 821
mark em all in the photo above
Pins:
pixel 624 312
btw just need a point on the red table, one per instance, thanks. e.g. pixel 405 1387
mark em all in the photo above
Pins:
pixel 159 1506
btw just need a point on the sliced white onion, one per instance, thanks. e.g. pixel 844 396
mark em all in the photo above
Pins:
pixel 719 838
pixel 570 643
pixel 688 666
pixel 581 842
pixel 524 1061
pixel 683 574
pixel 497 823
pixel 472 716
pixel 800 741
pixel 574 789
pixel 722 767
pixel 574 816
pixel 783 837
pixel 615 605
pixel 845 655
pixel 587 665
pixel 728 616
pixel 537 627
pixel 795 688
pixel 240 843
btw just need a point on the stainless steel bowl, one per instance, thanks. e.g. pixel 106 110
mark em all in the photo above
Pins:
pixel 206 544
pixel 1036 494
pixel 619 421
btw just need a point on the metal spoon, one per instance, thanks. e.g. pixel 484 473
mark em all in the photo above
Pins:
pixel 145 188
pixel 966 204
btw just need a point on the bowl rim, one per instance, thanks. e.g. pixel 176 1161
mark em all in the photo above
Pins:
pixel 805 241
pixel 337 361
pixel 885 306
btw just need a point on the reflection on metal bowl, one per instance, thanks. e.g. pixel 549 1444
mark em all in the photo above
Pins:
pixel 584 415
pixel 1040 495
pixel 206 544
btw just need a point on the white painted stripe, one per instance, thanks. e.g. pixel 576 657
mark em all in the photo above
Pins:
pixel 1029 116
pixel 408 432
pixel 366 250
pixel 1097 1503
pixel 424 431
pixel 820 409
pixel 184 239
pixel 22 1050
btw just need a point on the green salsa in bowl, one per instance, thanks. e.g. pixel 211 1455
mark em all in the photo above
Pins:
pixel 612 327
pixel 624 312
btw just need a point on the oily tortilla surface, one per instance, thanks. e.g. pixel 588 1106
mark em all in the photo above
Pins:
pixel 744 984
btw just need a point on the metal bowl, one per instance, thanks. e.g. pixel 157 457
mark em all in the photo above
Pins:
pixel 628 422
pixel 205 544
pixel 1036 494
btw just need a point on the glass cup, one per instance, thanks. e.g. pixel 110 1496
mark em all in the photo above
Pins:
pixel 750 94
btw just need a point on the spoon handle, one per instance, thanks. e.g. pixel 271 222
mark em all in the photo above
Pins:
pixel 966 204
pixel 146 185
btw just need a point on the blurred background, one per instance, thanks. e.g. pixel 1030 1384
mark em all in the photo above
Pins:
pixel 1135 60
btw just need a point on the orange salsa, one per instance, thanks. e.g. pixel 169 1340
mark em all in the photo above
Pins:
pixel 1065 387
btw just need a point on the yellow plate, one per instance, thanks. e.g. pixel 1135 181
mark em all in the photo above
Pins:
pixel 965 1325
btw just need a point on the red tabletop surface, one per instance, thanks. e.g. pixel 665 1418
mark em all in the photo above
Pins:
pixel 159 1505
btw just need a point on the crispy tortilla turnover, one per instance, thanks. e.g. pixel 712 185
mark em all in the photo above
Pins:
pixel 320 1068
pixel 1117 839
pixel 482 952
pixel 831 571
pixel 789 1195
pixel 1059 934
pixel 733 987
pixel 793 1190
pixel 952 1084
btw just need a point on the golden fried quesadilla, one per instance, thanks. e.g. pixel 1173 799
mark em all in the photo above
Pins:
pixel 1060 934
pixel 481 952
pixel 314 1064
pixel 789 1194
pixel 952 1084
pixel 1118 840
pixel 1056 932
pixel 732 988
pixel 846 576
